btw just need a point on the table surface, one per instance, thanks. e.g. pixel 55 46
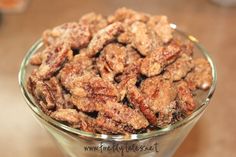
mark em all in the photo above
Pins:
pixel 215 26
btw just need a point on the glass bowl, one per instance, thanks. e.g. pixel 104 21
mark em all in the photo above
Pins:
pixel 160 143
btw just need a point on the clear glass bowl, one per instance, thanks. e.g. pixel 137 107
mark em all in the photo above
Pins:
pixel 159 143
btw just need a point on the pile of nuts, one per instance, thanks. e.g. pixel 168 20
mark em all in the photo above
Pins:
pixel 121 74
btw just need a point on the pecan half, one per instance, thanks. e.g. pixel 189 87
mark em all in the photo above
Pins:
pixel 201 75
pixel 179 69
pixel 48 94
pixel 77 35
pixel 154 63
pixel 162 27
pixel 75 119
pixel 89 93
pixel 53 59
pixel 160 95
pixel 185 99
pixel 144 39
pixel 138 101
pixel 111 61
pixel 127 16
pixel 123 114
pixel 103 37
pixel 94 21
pixel 80 65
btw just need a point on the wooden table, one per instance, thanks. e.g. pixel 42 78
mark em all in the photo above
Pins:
pixel 214 26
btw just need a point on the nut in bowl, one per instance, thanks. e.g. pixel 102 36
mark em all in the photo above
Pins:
pixel 129 84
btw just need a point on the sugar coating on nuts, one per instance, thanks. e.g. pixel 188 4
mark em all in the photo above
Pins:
pixel 121 74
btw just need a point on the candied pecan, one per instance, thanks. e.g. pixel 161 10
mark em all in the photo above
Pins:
pixel 77 35
pixel 132 55
pixel 157 60
pixel 122 87
pixel 107 125
pixel 134 96
pixel 158 92
pixel 187 48
pixel 144 39
pixel 104 69
pixel 162 27
pixel 53 58
pixel 115 55
pixel 185 99
pixel 111 61
pixel 159 95
pixel 128 78
pixel 80 65
pixel 48 94
pixel 180 68
pixel 31 82
pixel 66 115
pixel 34 82
pixel 86 123
pixel 131 70
pixel 100 89
pixel 75 118
pixel 57 92
pixel 123 114
pixel 94 21
pixel 128 16
pixel 166 116
pixel 43 95
pixel 116 114
pixel 125 37
pixel 89 93
pixel 201 75
pixel 85 104
pixel 36 59
pixel 103 37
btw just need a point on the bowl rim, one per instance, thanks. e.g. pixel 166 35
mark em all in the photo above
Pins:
pixel 38 112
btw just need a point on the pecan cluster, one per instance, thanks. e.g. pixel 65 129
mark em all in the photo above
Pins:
pixel 125 73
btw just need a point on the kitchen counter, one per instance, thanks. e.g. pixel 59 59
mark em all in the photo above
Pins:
pixel 215 26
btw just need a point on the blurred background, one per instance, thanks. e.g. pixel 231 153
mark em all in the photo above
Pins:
pixel 23 21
